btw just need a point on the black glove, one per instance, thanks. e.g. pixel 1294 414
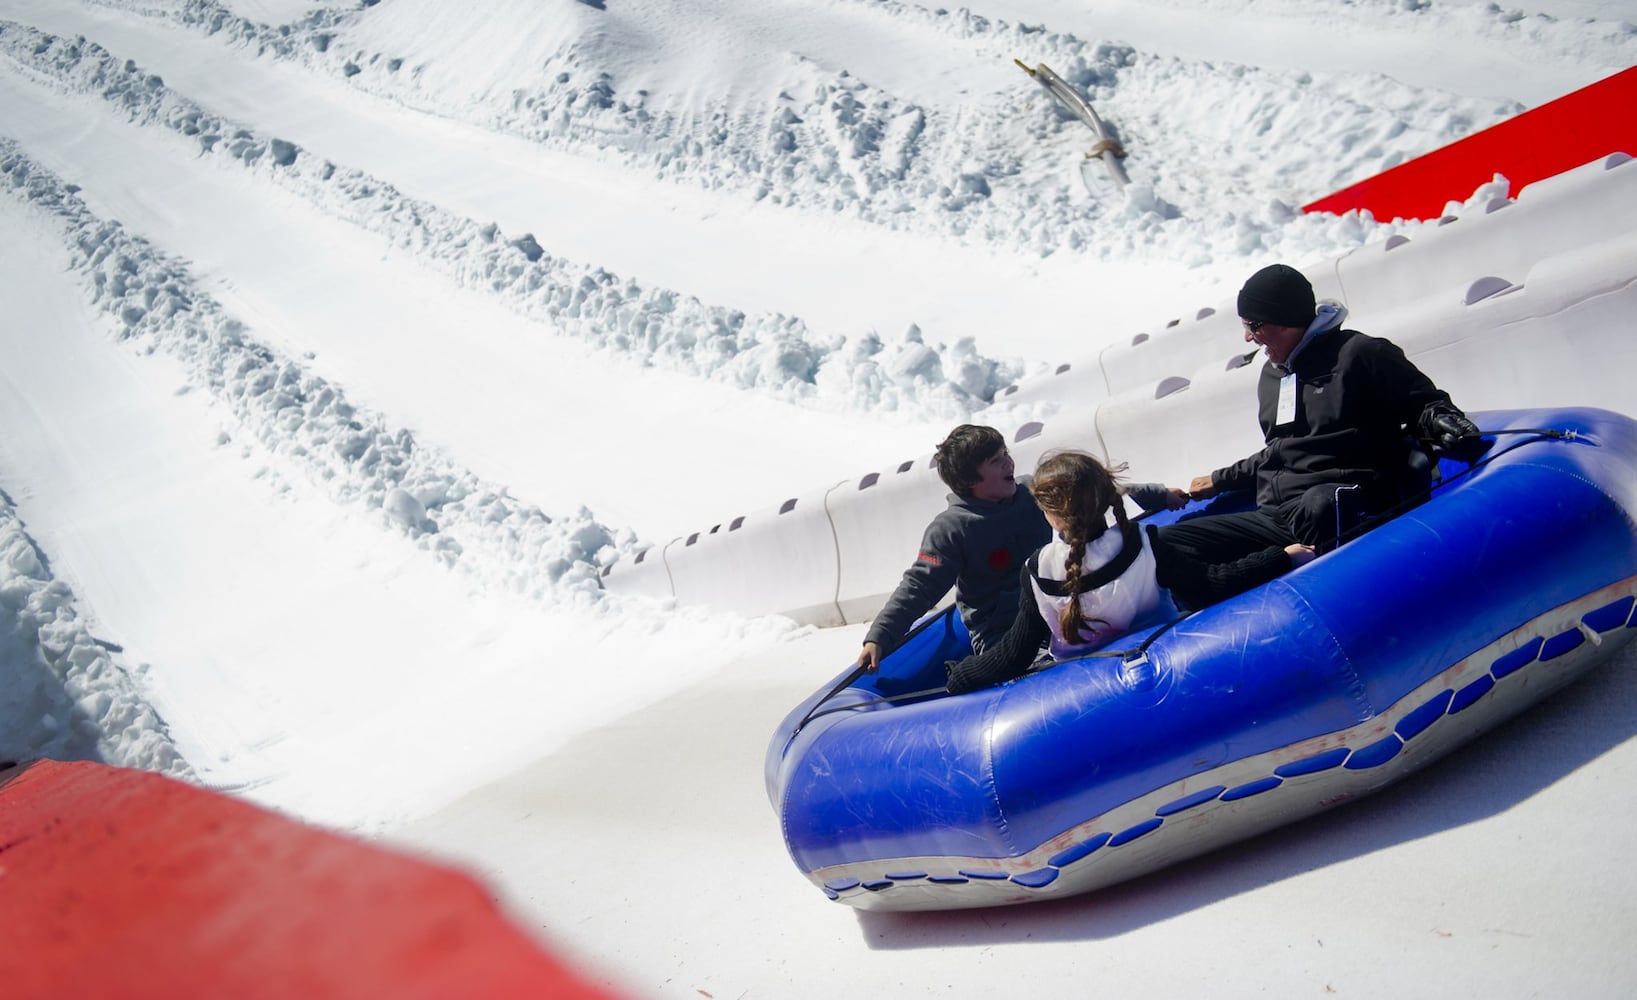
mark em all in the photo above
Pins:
pixel 1449 432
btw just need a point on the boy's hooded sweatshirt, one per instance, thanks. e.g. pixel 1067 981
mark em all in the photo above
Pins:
pixel 977 547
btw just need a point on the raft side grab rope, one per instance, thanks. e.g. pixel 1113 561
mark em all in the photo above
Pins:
pixel 1129 656
pixel 1376 520
pixel 882 700
pixel 813 713
pixel 1140 653
pixel 859 672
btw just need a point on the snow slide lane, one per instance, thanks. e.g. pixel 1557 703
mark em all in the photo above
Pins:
pixel 413 344
pixel 354 662
pixel 859 277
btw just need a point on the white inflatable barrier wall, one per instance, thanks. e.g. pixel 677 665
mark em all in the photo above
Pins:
pixel 1529 304
pixel 896 504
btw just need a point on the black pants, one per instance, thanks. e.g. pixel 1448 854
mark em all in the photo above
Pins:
pixel 1207 559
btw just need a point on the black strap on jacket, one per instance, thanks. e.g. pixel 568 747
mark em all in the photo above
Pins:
pixel 1130 549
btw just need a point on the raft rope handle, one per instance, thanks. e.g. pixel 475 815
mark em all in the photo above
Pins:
pixel 858 672
pixel 851 678
pixel 814 712
pixel 1403 506
pixel 882 700
pixel 1140 653
pixel 1130 656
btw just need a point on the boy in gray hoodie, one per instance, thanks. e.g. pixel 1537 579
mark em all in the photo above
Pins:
pixel 975 545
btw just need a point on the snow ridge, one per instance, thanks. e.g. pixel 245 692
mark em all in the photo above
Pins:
pixel 827 139
pixel 843 140
pixel 772 353
pixel 277 405
pixel 65 698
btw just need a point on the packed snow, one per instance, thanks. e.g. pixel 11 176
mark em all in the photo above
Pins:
pixel 345 344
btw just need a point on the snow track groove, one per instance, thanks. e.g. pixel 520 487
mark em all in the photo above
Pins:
pixel 958 154
pixel 354 454
pixel 776 354
pixel 351 540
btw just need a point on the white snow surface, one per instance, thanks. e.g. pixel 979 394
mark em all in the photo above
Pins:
pixel 342 344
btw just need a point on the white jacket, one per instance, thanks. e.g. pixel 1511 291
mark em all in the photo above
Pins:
pixel 1119 591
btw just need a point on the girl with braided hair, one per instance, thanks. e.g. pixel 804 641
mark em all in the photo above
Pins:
pixel 1097 581
pixel 1076 493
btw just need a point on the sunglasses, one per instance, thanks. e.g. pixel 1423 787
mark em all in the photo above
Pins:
pixel 1253 325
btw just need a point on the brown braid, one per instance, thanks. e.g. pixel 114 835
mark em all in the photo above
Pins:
pixel 1074 619
pixel 1078 490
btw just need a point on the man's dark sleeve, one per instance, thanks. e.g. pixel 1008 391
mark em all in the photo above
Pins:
pixel 1241 475
pixel 1011 656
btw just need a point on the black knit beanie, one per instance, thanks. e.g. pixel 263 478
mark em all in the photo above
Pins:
pixel 1278 294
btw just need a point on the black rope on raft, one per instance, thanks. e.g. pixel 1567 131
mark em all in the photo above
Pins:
pixel 1410 503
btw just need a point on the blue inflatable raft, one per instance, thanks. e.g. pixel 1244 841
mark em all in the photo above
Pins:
pixel 1326 684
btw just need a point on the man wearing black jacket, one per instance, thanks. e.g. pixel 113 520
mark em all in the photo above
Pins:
pixel 1337 409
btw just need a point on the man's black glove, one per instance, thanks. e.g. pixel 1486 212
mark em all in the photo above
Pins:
pixel 1449 432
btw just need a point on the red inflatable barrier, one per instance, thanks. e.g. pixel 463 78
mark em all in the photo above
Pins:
pixel 1578 128
pixel 119 883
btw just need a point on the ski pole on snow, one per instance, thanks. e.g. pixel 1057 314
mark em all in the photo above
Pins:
pixel 1107 147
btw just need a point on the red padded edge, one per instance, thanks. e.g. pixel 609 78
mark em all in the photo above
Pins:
pixel 1578 128
pixel 116 882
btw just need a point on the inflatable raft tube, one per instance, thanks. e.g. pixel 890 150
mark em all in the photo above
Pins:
pixel 1514 578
